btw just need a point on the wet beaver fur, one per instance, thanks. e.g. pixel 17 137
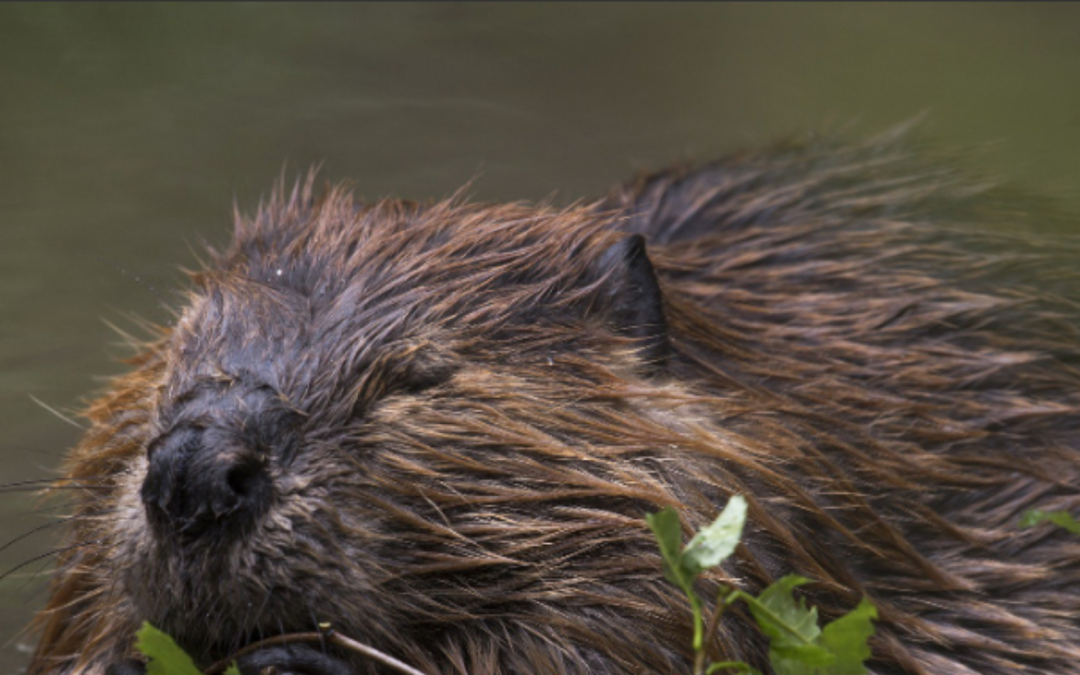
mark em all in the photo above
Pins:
pixel 438 427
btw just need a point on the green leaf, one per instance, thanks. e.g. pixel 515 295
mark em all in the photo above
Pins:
pixel 1060 518
pixel 846 638
pixel 801 660
pixel 712 545
pixel 165 656
pixel 806 654
pixel 232 669
pixel 781 617
pixel 792 628
pixel 668 532
pixel 798 646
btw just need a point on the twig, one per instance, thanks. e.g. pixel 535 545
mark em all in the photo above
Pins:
pixel 329 635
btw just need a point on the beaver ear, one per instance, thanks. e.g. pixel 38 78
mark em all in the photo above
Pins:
pixel 632 296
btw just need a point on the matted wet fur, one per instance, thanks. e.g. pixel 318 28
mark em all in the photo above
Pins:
pixel 457 415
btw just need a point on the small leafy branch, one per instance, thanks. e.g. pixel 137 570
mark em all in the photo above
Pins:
pixel 797 645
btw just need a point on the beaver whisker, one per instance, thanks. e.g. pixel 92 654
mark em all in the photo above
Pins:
pixel 33 531
pixel 56 413
pixel 47 485
pixel 48 555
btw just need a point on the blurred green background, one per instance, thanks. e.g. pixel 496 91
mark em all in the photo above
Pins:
pixel 126 132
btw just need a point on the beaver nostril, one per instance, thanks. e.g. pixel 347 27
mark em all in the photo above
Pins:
pixel 247 477
pixel 236 483
pixel 238 479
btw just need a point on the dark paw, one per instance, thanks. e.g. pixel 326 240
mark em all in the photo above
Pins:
pixel 292 660
pixel 126 668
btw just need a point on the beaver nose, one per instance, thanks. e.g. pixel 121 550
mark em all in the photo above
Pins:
pixel 203 479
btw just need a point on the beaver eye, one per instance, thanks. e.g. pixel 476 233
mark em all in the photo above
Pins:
pixel 409 377
pixel 417 379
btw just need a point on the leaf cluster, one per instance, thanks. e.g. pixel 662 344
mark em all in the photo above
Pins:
pixel 797 644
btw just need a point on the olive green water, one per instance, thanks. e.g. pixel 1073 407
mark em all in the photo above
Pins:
pixel 127 131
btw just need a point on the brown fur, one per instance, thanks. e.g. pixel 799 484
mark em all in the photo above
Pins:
pixel 477 446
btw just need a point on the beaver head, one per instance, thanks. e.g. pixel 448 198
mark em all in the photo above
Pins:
pixel 374 417
pixel 404 420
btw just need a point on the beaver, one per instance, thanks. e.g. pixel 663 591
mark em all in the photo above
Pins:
pixel 438 426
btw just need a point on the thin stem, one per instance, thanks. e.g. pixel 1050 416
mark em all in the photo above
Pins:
pixel 328 635
pixel 699 653
pixel 742 667
pixel 695 603
pixel 718 609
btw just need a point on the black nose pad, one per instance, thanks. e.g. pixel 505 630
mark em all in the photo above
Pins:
pixel 202 479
